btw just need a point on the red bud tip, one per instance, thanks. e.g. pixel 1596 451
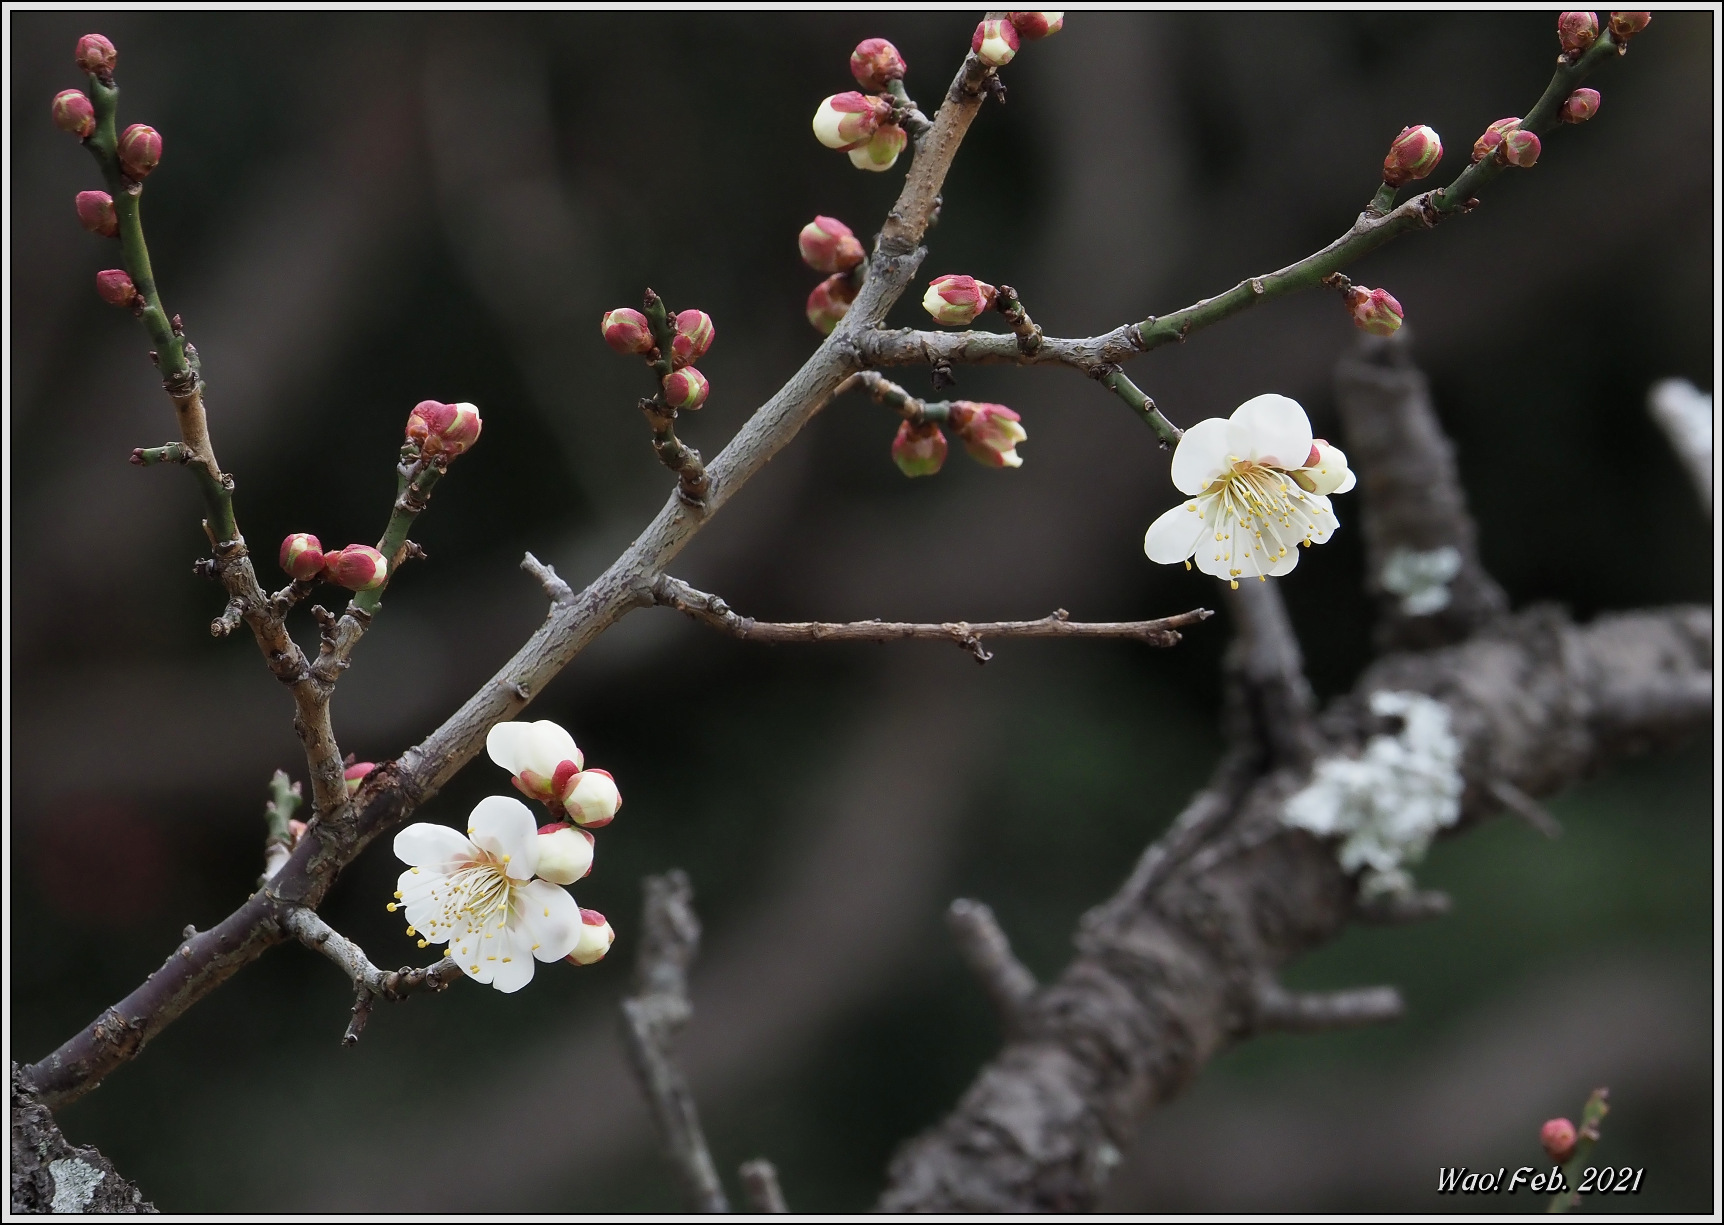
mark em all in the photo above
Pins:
pixel 591 918
pixel 302 556
pixel 830 301
pixel 96 56
pixel 1580 106
pixel 96 213
pixel 882 149
pixel 1575 32
pixel 694 336
pixel 443 429
pixel 116 288
pixel 596 939
pixel 849 120
pixel 1626 25
pixel 1412 156
pixel 1032 26
pixel 74 113
pixel 358 567
pixel 1374 310
pixel 989 432
pixel 627 331
pixel 875 62
pixel 355 774
pixel 140 150
pixel 919 450
pixel 995 42
pixel 1519 148
pixel 1558 1137
pixel 956 300
pixel 685 389
pixel 1487 144
pixel 828 245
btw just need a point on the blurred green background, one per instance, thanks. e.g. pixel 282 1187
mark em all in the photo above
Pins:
pixel 356 212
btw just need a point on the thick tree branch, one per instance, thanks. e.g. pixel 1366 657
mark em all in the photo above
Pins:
pixel 49 1175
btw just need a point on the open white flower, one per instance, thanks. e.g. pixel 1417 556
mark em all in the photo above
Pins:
pixel 541 756
pixel 1260 484
pixel 477 895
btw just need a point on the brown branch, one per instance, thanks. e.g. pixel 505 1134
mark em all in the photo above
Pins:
pixel 369 983
pixel 760 1182
pixel 670 939
pixel 988 953
pixel 1526 808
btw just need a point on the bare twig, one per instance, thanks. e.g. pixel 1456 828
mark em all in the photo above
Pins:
pixel 1684 412
pixel 760 1181
pixel 1526 808
pixel 989 955
pixel 1307 1012
pixel 369 983
pixel 559 591
pixel 670 938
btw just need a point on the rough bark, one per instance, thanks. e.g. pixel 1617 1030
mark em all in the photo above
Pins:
pixel 50 1175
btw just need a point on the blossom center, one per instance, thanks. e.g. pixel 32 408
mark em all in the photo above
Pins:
pixel 475 897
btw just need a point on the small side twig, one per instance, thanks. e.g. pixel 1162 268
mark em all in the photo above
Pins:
pixel 659 1007
pixel 760 1182
pixel 558 591
pixel 1591 1115
pixel 1684 413
pixel 1113 378
pixel 1011 307
pixel 1526 808
pixel 989 955
pixel 1315 1011
pixel 369 983
pixel 285 798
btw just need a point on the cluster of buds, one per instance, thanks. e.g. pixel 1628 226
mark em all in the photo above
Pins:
pixel 1575 32
pixel 358 567
pixel 1509 143
pixel 442 429
pixel 1580 106
pixel 989 432
pixel 545 765
pixel 627 331
pixel 996 40
pixel 828 245
pixel 956 300
pixel 865 125
pixel 1412 156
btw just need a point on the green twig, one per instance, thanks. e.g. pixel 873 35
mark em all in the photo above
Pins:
pixel 285 796
pixel 1591 1115
pixel 1113 378
pixel 417 477
pixel 172 453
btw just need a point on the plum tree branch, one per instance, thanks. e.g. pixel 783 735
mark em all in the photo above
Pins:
pixel 369 983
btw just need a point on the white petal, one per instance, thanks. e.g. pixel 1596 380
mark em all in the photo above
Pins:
pixel 565 855
pixel 513 968
pixel 1347 482
pixel 504 826
pixel 1200 455
pixel 545 747
pixel 423 843
pixel 1277 429
pixel 503 744
pixel 550 917
pixel 469 953
pixel 1175 535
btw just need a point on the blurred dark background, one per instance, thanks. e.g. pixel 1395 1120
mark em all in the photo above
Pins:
pixel 356 212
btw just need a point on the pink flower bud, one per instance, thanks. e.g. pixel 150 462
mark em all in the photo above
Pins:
pixel 1576 31
pixel 1519 148
pixel 302 556
pixel 594 799
pixel 956 300
pixel 1487 144
pixel 565 853
pixel 596 939
pixel 847 120
pixel 989 432
pixel 443 429
pixel 882 149
pixel 96 213
pixel 919 450
pixel 355 774
pixel 296 829
pixel 829 302
pixel 1412 156
pixel 116 288
pixel 1031 26
pixel 96 56
pixel 140 150
pixel 876 62
pixel 828 245
pixel 1626 25
pixel 1558 1137
pixel 73 113
pixel 693 338
pixel 1580 106
pixel 995 42
pixel 1374 310
pixel 358 567
pixel 685 388
pixel 627 331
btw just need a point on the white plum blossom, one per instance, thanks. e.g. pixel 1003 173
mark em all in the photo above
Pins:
pixel 477 894
pixel 1389 803
pixel 1260 484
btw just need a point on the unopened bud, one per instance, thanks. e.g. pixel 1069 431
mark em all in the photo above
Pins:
pixel 685 389
pixel 96 56
pixel 140 150
pixel 995 42
pixel 116 288
pixel 596 939
pixel 1519 148
pixel 443 429
pixel 565 853
pixel 594 799
pixel 693 338
pixel 1412 156
pixel 919 450
pixel 1031 26
pixel 882 149
pixel 627 331
pixel 73 113
pixel 830 301
pixel 1487 144
pixel 302 556
pixel 828 245
pixel 1626 25
pixel 96 213
pixel 1374 310
pixel 358 567
pixel 956 300
pixel 875 62
pixel 847 120
pixel 989 432
pixel 355 774
pixel 1558 1137
pixel 1325 469
pixel 1580 106
pixel 1575 32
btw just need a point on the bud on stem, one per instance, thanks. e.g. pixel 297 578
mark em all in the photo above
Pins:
pixel 875 64
pixel 828 245
pixel 358 567
pixel 626 330
pixel 1412 156
pixel 830 301
pixel 116 288
pixel 919 450
pixel 96 213
pixel 1580 106
pixel 995 42
pixel 302 556
pixel 139 150
pixel 96 56
pixel 74 113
